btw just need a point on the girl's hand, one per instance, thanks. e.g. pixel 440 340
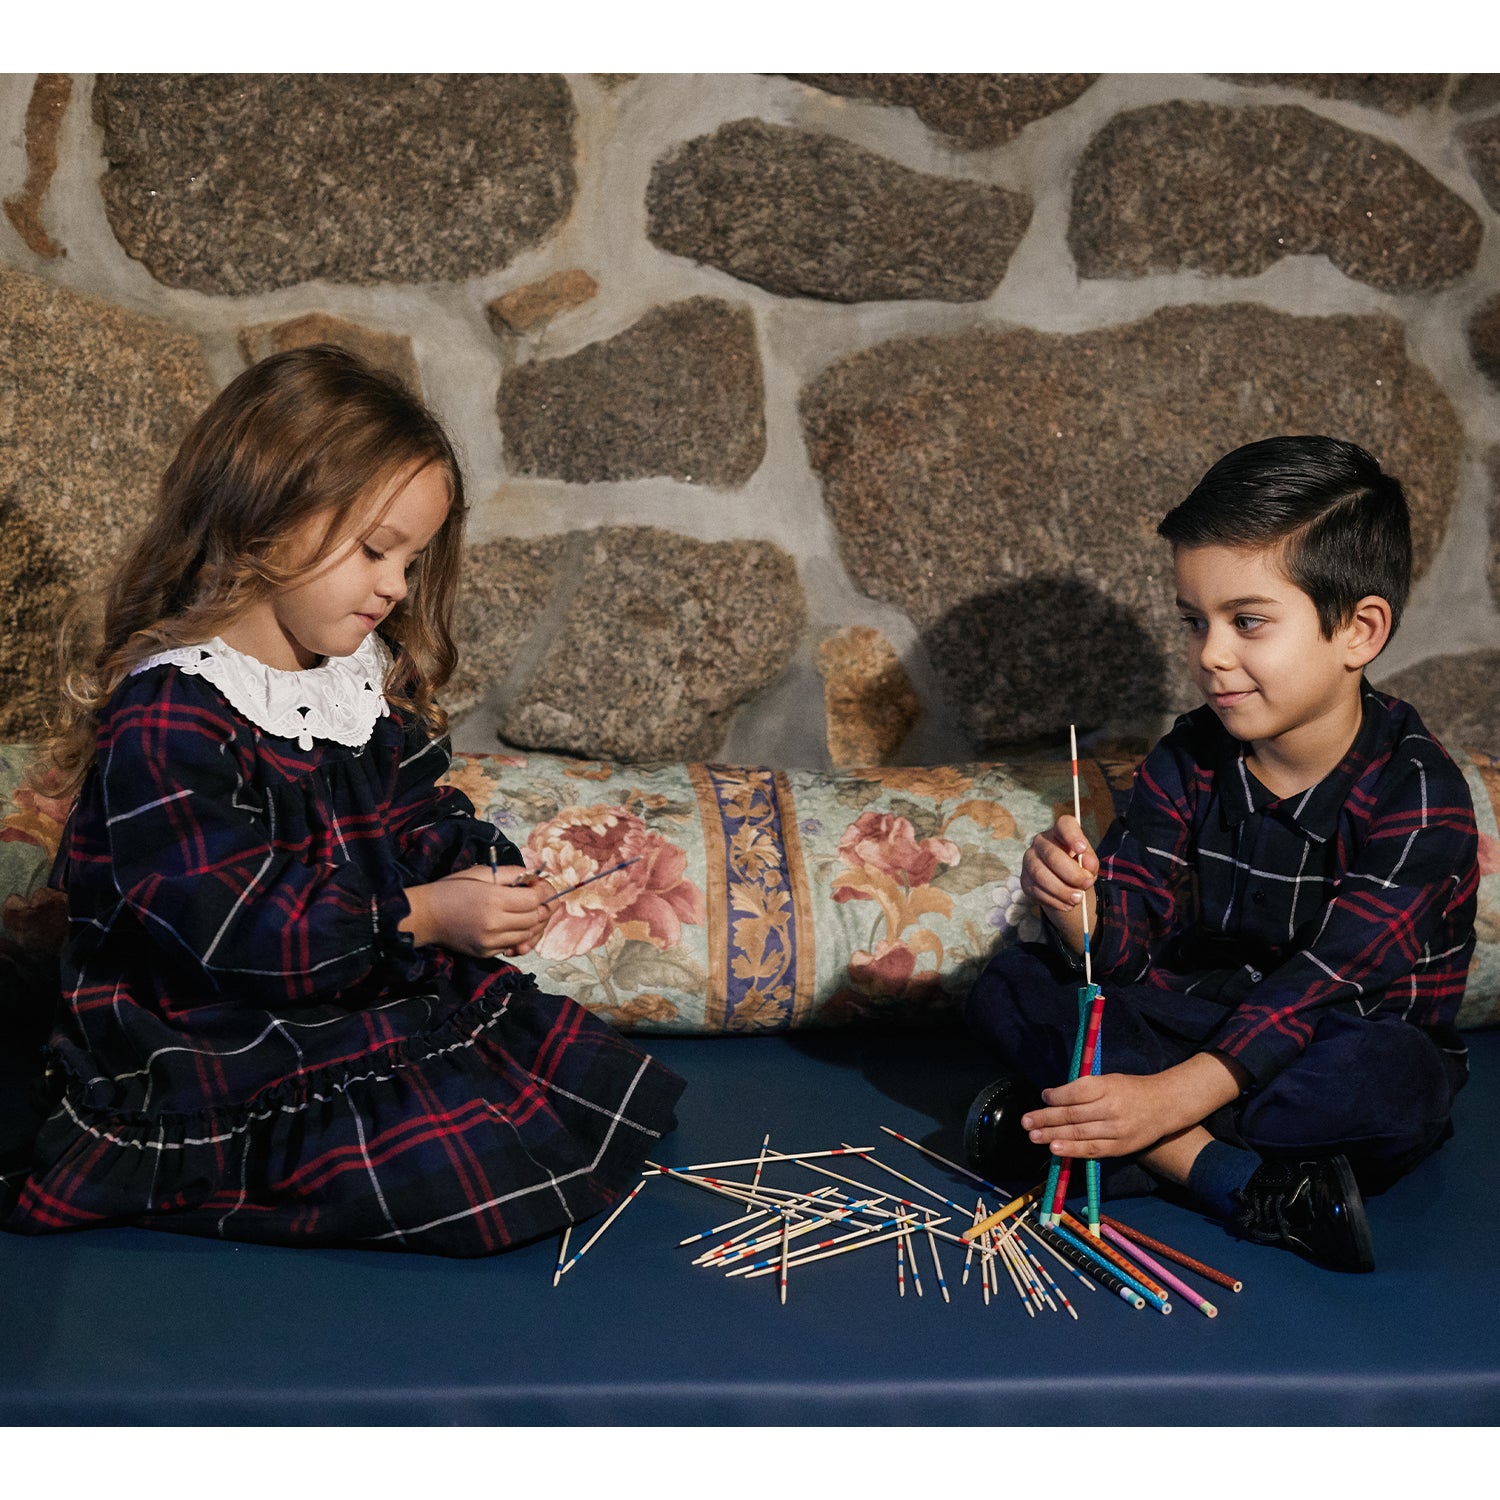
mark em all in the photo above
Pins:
pixel 1050 870
pixel 480 912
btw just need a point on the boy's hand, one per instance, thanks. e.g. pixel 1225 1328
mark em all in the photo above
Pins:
pixel 1050 872
pixel 1107 1114
pixel 1119 1114
pixel 1052 875
pixel 480 912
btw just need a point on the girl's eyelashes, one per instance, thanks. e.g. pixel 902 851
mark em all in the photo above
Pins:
pixel 371 553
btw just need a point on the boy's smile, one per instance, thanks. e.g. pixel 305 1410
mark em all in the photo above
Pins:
pixel 1259 656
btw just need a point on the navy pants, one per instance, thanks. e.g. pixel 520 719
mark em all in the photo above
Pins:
pixel 1374 1088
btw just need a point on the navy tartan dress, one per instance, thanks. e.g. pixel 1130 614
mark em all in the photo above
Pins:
pixel 247 1046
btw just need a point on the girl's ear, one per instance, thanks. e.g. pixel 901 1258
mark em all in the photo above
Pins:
pixel 1368 630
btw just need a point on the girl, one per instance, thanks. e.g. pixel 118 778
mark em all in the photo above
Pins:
pixel 287 1014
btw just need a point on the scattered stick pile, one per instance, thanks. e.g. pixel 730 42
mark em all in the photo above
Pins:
pixel 781 1229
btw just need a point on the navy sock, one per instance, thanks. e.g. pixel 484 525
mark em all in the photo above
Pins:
pixel 1218 1174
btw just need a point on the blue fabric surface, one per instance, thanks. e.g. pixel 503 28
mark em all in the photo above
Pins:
pixel 127 1326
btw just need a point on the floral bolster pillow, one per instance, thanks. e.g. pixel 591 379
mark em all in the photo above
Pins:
pixel 759 900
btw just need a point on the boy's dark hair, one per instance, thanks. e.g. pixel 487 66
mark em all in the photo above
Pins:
pixel 1339 521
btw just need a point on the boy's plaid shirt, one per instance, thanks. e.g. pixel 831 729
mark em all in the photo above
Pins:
pixel 1358 893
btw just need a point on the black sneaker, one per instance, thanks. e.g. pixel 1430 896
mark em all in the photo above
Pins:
pixel 1311 1207
pixel 995 1146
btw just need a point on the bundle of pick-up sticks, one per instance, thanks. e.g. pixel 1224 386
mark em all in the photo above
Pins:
pixel 851 1209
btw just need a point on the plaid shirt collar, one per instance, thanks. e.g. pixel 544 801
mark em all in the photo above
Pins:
pixel 1315 812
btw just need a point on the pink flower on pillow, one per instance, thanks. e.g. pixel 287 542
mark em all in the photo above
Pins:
pixel 888 843
pixel 649 901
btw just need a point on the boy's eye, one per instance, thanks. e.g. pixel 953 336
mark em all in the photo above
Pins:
pixel 1191 622
pixel 1248 622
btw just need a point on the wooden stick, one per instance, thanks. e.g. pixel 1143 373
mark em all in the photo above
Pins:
pixel 969 1256
pixel 620 1208
pixel 931 1193
pixel 785 1240
pixel 911 1255
pixel 937 1266
pixel 562 1252
pixel 841 1249
pixel 760 1165
pixel 750 1161
pixel 964 1171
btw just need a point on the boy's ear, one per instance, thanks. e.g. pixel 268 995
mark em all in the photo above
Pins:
pixel 1368 630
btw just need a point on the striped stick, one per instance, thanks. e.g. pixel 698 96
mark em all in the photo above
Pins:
pixel 1067 1265
pixel 785 1240
pixel 562 1250
pixel 1095 1251
pixel 1219 1278
pixel 765 1156
pixel 836 1249
pixel 937 1266
pixel 620 1208
pixel 1069 1250
pixel 1180 1287
pixel 963 1171
pixel 1126 1267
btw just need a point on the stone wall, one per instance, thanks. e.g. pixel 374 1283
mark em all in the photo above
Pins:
pixel 809 420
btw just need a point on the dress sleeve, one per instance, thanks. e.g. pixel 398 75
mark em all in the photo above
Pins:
pixel 434 827
pixel 1147 866
pixel 1397 931
pixel 192 855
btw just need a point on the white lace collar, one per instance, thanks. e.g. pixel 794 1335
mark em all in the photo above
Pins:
pixel 339 700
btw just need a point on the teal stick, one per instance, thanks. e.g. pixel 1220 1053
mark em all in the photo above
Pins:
pixel 1050 1197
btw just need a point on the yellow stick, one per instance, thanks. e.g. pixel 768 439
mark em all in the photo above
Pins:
pixel 1013 1206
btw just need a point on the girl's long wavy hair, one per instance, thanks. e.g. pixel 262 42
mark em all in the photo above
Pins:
pixel 313 432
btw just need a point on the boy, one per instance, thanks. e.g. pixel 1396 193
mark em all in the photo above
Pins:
pixel 1283 917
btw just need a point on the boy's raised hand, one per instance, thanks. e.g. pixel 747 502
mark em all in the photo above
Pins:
pixel 1052 876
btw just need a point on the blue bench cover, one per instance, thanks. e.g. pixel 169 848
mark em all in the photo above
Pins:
pixel 126 1326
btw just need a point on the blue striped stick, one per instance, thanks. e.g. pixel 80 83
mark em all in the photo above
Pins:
pixel 1107 1265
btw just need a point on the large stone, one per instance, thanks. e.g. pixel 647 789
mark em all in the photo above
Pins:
pixel 523 307
pixel 506 587
pixel 391 352
pixel 93 403
pixel 678 393
pixel 810 215
pixel 1187 186
pixel 1396 93
pixel 976 110
pixel 868 699
pixel 1484 339
pixel 247 182
pixel 1481 142
pixel 1476 91
pixel 1004 487
pixel 1455 696
pixel 664 637
pixel 44 113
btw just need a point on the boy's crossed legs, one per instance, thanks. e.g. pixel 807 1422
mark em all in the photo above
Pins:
pixel 1367 1099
